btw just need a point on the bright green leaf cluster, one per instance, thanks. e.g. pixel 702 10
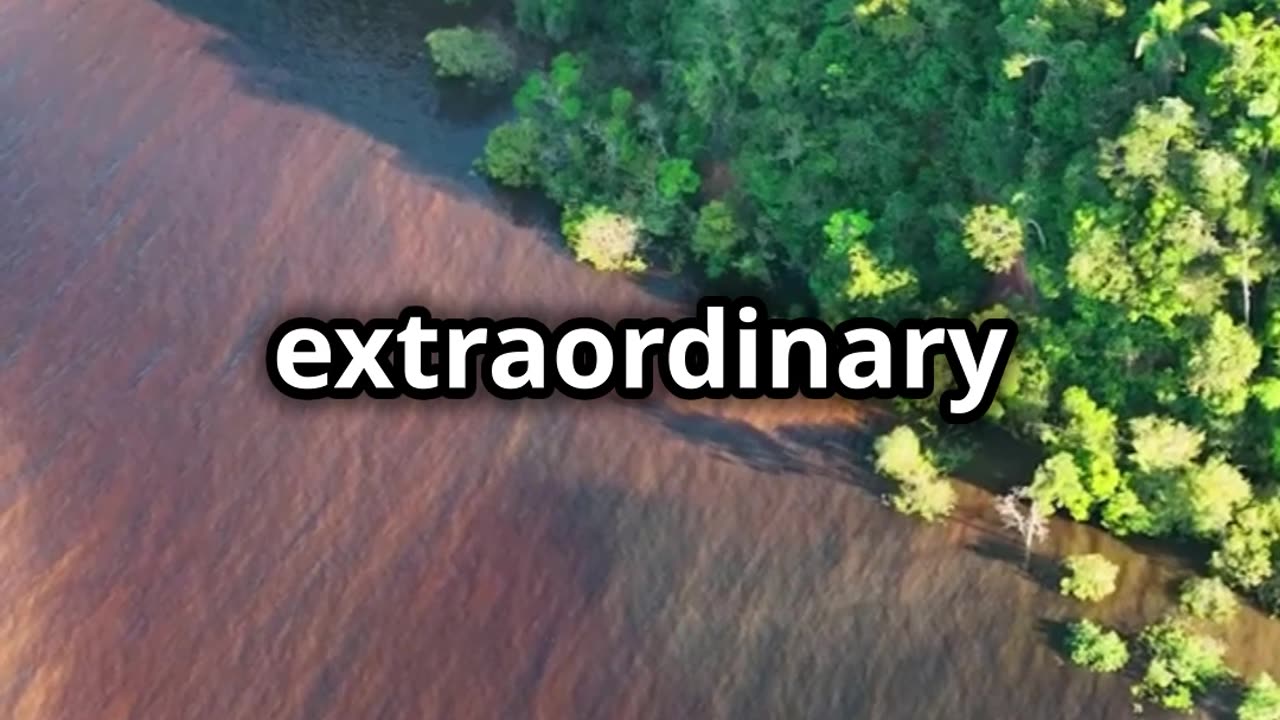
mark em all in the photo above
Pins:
pixel 1095 648
pixel 1181 665
pixel 1208 599
pixel 1090 577
pixel 922 491
pixel 479 56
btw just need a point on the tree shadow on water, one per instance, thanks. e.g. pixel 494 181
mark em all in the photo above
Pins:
pixel 731 439
pixel 719 622
pixel 363 64
pixel 844 446
pixel 1043 569
pixel 1054 634
pixel 834 452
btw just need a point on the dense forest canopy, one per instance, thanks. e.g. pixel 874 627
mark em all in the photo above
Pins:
pixel 1099 171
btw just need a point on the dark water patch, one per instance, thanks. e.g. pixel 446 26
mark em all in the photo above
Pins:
pixel 732 439
pixel 1041 568
pixel 362 63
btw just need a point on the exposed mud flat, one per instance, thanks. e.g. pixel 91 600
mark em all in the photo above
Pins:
pixel 179 541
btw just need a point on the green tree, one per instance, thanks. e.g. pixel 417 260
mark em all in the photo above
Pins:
pixel 850 274
pixel 1024 395
pixel 921 491
pixel 1142 154
pixel 605 240
pixel 1099 266
pixel 1090 432
pixel 1261 700
pixel 718 242
pixel 1089 577
pixel 1181 667
pixel 1087 427
pixel 1246 556
pixel 1213 493
pixel 1179 493
pixel 676 178
pixel 1161 444
pixel 1058 485
pixel 929 500
pixel 1095 648
pixel 993 237
pixel 1219 180
pixel 478 56
pixel 512 154
pixel 1221 366
pixel 901 457
pixel 1125 513
pixel 1207 599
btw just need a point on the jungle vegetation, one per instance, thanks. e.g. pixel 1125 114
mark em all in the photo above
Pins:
pixel 1098 170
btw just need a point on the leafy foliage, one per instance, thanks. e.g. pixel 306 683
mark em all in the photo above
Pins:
pixel 718 240
pixel 921 490
pixel 1261 700
pixel 1182 665
pixel 1105 169
pixel 479 56
pixel 512 154
pixel 993 238
pixel 850 272
pixel 1058 484
pixel 1095 648
pixel 1089 577
pixel 1247 555
pixel 1208 599
pixel 604 239
pixel 930 500
pixel 1221 365
pixel 900 456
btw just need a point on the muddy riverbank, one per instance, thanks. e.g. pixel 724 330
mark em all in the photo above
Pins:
pixel 179 541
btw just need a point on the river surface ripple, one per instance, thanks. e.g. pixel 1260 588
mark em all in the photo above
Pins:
pixel 178 541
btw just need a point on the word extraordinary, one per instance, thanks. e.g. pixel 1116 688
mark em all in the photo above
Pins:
pixel 731 349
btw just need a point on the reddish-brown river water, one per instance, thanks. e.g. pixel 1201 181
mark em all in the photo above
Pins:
pixel 179 541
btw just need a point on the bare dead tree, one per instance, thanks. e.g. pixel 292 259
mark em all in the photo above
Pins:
pixel 1019 512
